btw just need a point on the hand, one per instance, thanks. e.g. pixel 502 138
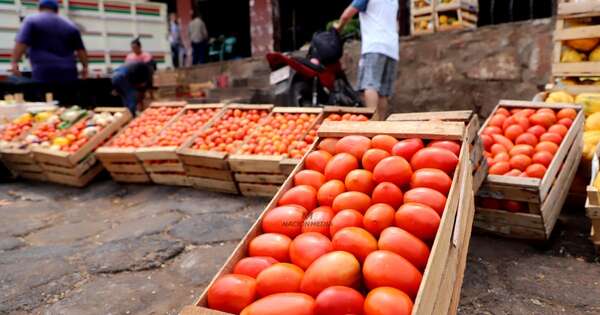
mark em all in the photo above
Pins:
pixel 15 69
pixel 337 25
pixel 84 73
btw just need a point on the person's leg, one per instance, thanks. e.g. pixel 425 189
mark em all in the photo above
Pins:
pixel 195 53
pixel 388 81
pixel 370 73
pixel 175 55
pixel 203 51
pixel 372 99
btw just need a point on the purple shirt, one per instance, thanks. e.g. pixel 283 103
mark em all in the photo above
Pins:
pixel 52 42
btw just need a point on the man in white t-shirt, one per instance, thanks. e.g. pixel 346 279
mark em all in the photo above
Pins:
pixel 380 49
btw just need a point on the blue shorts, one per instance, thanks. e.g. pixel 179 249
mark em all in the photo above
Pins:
pixel 377 72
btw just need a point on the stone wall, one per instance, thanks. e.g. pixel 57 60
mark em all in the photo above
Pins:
pixel 469 69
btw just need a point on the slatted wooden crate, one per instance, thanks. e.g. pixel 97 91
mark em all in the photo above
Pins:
pixel 577 25
pixel 422 24
pixel 22 162
pixel 577 7
pixel 210 170
pixel 464 11
pixel 544 198
pixel 80 167
pixel 162 162
pixel 122 163
pixel 592 204
pixel 440 288
pixel 261 175
pixel 471 121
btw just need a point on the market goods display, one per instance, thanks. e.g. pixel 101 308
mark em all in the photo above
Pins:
pixel 21 125
pixel 184 127
pixel 145 127
pixel 330 244
pixel 533 150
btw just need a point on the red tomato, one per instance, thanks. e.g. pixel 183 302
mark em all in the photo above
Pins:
pixel 501 157
pixel 441 159
pixel 520 162
pixel 536 171
pixel 547 146
pixel 387 193
pixel 497 120
pixel 384 142
pixel 542 157
pixel 355 145
pixel 503 111
pixel 310 178
pixel 339 300
pixel 559 129
pixel 426 196
pixel 345 218
pixel 340 165
pixel 499 168
pixel 445 144
pixel 537 130
pixel 544 119
pixel 492 130
pixel 351 200
pixel 317 160
pixel 328 145
pixel 569 113
pixel 513 206
pixel 387 301
pixel 271 245
pixel 279 278
pixel 498 148
pixel 378 217
pixel 372 157
pixel 232 293
pixel 490 203
pixel 329 191
pixel 307 247
pixel 487 142
pixel 318 221
pixel 303 195
pixel 527 138
pixel 360 180
pixel 513 131
pixel 282 303
pixel 393 169
pixel 252 266
pixel 551 137
pixel 522 149
pixel 407 148
pixel 383 268
pixel 431 178
pixel 286 220
pixel 341 268
pixel 401 242
pixel 503 141
pixel 356 241
pixel 418 219
pixel 567 122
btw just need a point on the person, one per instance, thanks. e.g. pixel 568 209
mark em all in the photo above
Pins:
pixel 136 54
pixel 379 49
pixel 52 42
pixel 199 39
pixel 131 81
pixel 174 39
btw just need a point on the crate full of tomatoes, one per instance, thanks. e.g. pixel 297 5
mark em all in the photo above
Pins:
pixel 376 219
pixel 533 151
pixel 118 155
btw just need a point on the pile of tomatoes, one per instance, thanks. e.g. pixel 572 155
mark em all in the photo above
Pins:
pixel 281 134
pixel 353 235
pixel 14 130
pixel 185 126
pixel 145 127
pixel 346 117
pixel 522 142
pixel 227 134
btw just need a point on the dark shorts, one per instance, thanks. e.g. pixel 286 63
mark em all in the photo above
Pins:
pixel 377 72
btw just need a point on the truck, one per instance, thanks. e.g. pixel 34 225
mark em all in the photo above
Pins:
pixel 107 28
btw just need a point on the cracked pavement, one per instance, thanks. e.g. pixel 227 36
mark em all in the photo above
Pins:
pixel 142 249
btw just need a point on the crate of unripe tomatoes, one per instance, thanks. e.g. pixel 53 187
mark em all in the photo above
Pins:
pixel 69 159
pixel 159 156
pixel 204 156
pixel 118 155
pixel 257 165
pixel 471 121
pixel 358 228
pixel 533 150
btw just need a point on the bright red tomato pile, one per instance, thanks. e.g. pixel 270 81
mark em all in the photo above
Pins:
pixel 145 127
pixel 353 235
pixel 14 130
pixel 228 133
pixel 281 134
pixel 185 126
pixel 523 142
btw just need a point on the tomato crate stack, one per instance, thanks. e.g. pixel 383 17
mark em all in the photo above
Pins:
pixel 533 150
pixel 592 204
pixel 289 262
pixel 331 113
pixel 284 134
pixel 471 121
pixel 204 156
pixel 159 156
pixel 118 155
pixel 74 163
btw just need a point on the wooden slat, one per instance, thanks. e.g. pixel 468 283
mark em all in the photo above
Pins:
pixel 408 129
pixel 587 68
pixel 510 231
pixel 33 176
pixel 347 109
pixel 76 171
pixel 578 9
pixel 258 190
pixel 287 165
pixel 579 32
pixel 166 167
pixel 208 159
pixel 297 110
pixel 195 171
pixel 454 115
pixel 504 218
pixel 170 179
pixel 130 178
pixel 260 178
pixel 76 181
pixel 226 186
pixel 593 212
pixel 246 163
pixel 480 174
pixel 511 103
pixel 157 153
pixel 131 168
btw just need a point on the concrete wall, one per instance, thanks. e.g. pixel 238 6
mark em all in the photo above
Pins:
pixel 469 69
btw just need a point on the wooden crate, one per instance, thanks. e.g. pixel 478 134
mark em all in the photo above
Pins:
pixel 577 7
pixel 417 20
pixel 465 12
pixel 471 121
pixel 564 31
pixel 122 163
pixel 79 168
pixel 162 163
pixel 22 162
pixel 439 292
pixel 592 203
pixel 544 197
pixel 261 175
pixel 210 170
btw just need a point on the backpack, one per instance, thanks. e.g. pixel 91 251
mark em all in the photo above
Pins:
pixel 327 47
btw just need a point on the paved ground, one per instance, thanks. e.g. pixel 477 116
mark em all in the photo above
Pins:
pixel 126 249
